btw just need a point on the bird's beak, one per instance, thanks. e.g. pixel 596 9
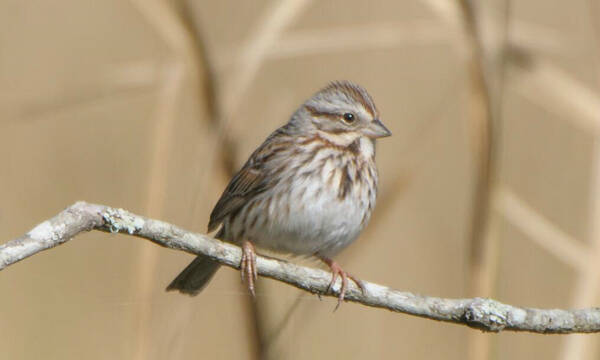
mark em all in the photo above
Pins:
pixel 377 130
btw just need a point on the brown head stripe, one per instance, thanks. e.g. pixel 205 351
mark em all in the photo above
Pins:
pixel 316 113
pixel 354 91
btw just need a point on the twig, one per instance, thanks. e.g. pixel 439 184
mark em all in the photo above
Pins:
pixel 484 314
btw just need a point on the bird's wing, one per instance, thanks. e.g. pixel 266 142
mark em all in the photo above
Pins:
pixel 250 181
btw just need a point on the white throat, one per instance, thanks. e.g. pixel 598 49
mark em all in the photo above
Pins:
pixel 367 147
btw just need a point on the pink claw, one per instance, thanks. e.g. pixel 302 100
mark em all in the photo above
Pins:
pixel 248 265
pixel 336 271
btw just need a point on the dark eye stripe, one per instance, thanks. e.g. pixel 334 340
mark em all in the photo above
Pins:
pixel 349 118
pixel 316 113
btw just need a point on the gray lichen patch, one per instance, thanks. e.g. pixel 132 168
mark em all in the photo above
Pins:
pixel 119 220
pixel 487 315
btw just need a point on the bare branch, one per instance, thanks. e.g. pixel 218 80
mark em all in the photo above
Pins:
pixel 483 314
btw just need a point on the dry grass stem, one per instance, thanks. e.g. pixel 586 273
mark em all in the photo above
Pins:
pixel 541 231
pixel 485 71
pixel 278 16
pixel 555 90
pixel 342 39
pixel 164 19
pixel 383 36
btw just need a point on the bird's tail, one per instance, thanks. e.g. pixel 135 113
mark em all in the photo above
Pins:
pixel 195 276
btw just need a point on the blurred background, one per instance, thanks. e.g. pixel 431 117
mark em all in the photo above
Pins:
pixel 490 185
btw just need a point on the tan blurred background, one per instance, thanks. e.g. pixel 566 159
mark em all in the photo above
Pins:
pixel 490 185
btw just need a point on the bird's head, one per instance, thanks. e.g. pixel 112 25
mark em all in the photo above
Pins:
pixel 342 112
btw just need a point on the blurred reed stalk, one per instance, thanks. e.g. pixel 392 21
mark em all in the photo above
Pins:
pixel 309 42
pixel 540 230
pixel 208 81
pixel 486 69
pixel 163 17
pixel 480 125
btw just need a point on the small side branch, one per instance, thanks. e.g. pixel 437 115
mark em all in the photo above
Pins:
pixel 484 314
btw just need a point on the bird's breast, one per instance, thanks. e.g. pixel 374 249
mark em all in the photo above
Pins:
pixel 319 207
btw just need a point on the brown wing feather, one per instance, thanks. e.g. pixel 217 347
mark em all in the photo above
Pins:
pixel 250 181
pixel 244 185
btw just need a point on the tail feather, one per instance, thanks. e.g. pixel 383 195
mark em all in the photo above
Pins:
pixel 195 276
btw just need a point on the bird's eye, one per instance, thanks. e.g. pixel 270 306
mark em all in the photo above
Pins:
pixel 349 118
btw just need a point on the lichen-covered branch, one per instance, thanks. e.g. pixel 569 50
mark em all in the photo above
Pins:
pixel 484 314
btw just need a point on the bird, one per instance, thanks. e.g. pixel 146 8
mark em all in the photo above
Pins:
pixel 308 190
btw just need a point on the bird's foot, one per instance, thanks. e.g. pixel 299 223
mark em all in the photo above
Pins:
pixel 248 265
pixel 336 271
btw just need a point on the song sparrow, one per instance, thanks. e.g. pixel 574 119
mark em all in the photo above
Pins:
pixel 309 189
